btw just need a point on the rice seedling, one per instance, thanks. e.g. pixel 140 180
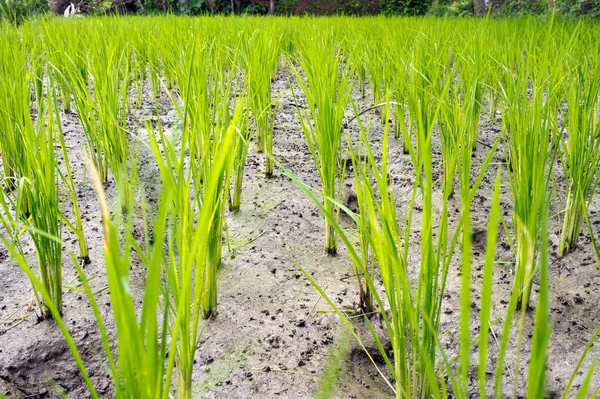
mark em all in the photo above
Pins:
pixel 412 359
pixel 355 56
pixel 63 50
pixel 242 145
pixel 45 214
pixel 402 123
pixel 45 220
pixel 111 77
pixel 200 188
pixel 86 111
pixel 260 56
pixel 528 124
pixel 192 270
pixel 327 91
pixel 15 116
pixel 451 135
pixel 374 62
pixel 206 119
pixel 144 354
pixel 580 151
pixel 67 178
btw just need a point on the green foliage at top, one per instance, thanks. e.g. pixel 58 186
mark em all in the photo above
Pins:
pixel 17 11
pixel 579 7
pixel 406 7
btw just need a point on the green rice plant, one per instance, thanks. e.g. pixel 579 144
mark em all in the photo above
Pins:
pixel 421 99
pixel 191 272
pixel 147 57
pixel 528 124
pixel 201 190
pixel 375 61
pixel 486 288
pixel 110 71
pixel 67 178
pixel 466 108
pixel 242 145
pixel 45 219
pixel 412 358
pixel 15 115
pixel 397 81
pixel 144 354
pixel 224 126
pixel 63 50
pixel 580 151
pixel 365 269
pixel 356 58
pixel 471 66
pixel 327 91
pixel 140 369
pixel 206 118
pixel 536 383
pixel 193 79
pixel 86 112
pixel 260 56
pixel 37 60
pixel 450 134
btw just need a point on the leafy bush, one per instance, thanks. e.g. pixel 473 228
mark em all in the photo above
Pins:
pixel 519 7
pixel 579 7
pixel 454 9
pixel 16 11
pixel 285 7
pixel 406 7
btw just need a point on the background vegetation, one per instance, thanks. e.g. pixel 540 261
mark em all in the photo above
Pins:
pixel 17 10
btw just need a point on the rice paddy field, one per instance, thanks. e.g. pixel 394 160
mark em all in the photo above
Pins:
pixel 242 207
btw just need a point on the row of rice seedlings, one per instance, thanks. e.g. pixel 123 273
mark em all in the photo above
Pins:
pixel 45 218
pixel 260 56
pixel 110 70
pixel 580 151
pixel 327 89
pixel 365 267
pixel 529 122
pixel 356 61
pixel 100 89
pixel 15 116
pixel 375 60
pixel 403 128
pixel 68 180
pixel 467 107
pixel 412 360
pixel 148 63
pixel 223 125
pixel 199 173
pixel 63 52
pixel 191 270
pixel 406 321
pixel 241 147
pixel 140 368
pixel 86 112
